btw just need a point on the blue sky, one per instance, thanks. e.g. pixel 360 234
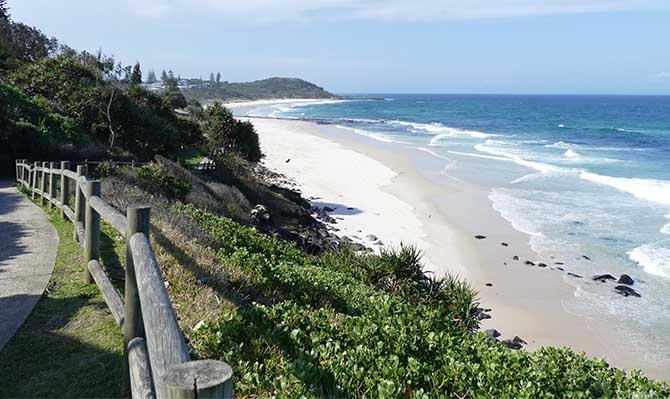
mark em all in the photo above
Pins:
pixel 441 46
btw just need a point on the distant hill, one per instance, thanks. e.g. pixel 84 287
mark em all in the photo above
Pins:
pixel 260 89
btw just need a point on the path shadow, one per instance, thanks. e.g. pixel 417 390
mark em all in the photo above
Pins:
pixel 10 243
pixel 9 199
pixel 11 232
pixel 41 361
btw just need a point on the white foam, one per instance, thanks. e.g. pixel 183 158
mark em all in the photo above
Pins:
pixel 539 166
pixel 470 154
pixel 666 229
pixel 654 258
pixel 571 154
pixel 648 189
pixel 441 130
pixel 567 146
pixel 561 125
pixel 377 136
pixel 561 144
pixel 433 153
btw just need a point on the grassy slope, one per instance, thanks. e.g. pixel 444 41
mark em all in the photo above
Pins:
pixel 70 346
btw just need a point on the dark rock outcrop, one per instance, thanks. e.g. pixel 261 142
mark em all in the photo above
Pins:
pixel 626 291
pixel 626 279
pixel 492 333
pixel 603 277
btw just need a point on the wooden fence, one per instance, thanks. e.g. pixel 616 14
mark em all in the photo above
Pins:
pixel 156 359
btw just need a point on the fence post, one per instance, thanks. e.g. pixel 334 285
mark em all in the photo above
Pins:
pixel 92 229
pixel 64 187
pixel 78 199
pixel 43 182
pixel 52 188
pixel 22 171
pixel 200 379
pixel 138 222
pixel 33 183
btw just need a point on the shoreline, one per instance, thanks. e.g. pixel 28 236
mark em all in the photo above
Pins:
pixel 441 218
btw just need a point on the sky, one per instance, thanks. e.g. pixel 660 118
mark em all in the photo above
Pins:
pixel 381 46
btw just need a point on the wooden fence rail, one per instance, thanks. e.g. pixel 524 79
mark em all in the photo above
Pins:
pixel 156 359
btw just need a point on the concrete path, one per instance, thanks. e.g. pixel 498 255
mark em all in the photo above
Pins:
pixel 28 244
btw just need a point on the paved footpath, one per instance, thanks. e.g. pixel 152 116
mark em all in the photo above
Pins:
pixel 28 244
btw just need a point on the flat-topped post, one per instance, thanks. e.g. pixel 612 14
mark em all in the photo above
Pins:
pixel 138 222
pixel 79 200
pixel 43 182
pixel 92 229
pixel 64 187
pixel 200 379
pixel 34 182
pixel 22 171
pixel 52 185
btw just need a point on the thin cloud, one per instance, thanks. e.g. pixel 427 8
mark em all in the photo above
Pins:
pixel 390 10
pixel 663 75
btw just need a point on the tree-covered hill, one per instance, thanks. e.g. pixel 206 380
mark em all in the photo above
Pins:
pixel 259 89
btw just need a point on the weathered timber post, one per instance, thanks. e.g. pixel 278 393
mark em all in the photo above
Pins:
pixel 34 182
pixel 64 187
pixel 26 173
pixel 22 167
pixel 92 229
pixel 200 379
pixel 138 222
pixel 43 182
pixel 79 201
pixel 52 186
pixel 19 172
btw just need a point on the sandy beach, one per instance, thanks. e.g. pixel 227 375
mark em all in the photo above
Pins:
pixel 378 190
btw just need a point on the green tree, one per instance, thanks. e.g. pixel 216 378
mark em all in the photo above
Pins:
pixel 151 77
pixel 211 78
pixel 224 133
pixel 218 77
pixel 246 141
pixel 136 76
pixel 164 76
pixel 20 43
pixel 170 82
pixel 4 10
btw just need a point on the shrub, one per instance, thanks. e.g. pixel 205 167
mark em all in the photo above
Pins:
pixel 154 178
pixel 105 169
pixel 329 332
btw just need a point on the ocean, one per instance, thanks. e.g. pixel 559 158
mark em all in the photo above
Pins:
pixel 581 175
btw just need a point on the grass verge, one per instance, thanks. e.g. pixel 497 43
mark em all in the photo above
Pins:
pixel 70 345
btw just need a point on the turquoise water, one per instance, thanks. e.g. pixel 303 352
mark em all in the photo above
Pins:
pixel 579 174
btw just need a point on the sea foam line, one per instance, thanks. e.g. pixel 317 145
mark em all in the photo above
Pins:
pixel 666 229
pixel 653 258
pixel 648 189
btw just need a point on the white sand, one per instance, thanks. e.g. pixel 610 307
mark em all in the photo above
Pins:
pixel 392 201
pixel 332 176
